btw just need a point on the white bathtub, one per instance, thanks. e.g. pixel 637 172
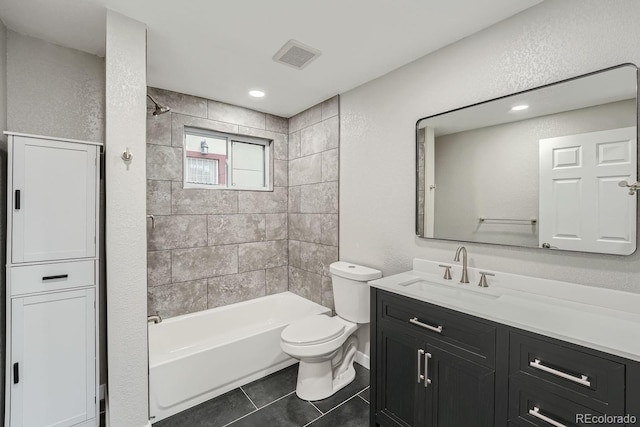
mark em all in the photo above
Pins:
pixel 197 356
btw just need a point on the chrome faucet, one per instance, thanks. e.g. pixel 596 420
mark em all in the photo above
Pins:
pixel 155 318
pixel 465 277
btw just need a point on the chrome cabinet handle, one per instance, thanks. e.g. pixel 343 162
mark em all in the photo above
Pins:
pixel 427 381
pixel 415 321
pixel 536 413
pixel 583 380
pixel 420 376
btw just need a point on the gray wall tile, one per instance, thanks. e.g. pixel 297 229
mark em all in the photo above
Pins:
pixel 308 117
pixel 277 124
pixel 319 198
pixel 294 199
pixel 280 173
pixel 177 231
pixel 294 145
pixel 159 129
pixel 158 197
pixel 256 256
pixel 330 107
pixel 234 288
pixel 237 115
pixel 319 137
pixel 225 229
pixel 180 102
pixel 294 254
pixel 327 293
pixel 200 263
pixel 277 280
pixel 330 165
pixel 305 170
pixel 164 163
pixel 196 201
pixel 158 268
pixel 306 284
pixel 317 258
pixel 179 121
pixel 305 227
pixel 177 299
pixel 329 229
pixel 277 228
pixel 263 201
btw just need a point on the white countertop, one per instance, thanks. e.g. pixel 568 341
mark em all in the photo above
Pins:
pixel 601 319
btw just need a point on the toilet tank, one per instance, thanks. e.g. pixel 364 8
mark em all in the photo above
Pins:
pixel 351 291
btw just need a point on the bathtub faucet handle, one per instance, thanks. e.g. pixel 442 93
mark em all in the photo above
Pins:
pixel 155 318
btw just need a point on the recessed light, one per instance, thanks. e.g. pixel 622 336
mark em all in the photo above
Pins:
pixel 519 107
pixel 256 93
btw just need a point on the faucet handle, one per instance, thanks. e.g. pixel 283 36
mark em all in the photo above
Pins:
pixel 483 279
pixel 447 271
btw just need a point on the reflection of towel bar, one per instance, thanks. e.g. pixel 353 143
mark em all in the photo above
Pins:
pixel 532 220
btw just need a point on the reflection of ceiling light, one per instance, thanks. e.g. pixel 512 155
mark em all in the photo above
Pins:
pixel 256 93
pixel 519 107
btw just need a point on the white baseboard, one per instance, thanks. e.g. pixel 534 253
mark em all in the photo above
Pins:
pixel 362 359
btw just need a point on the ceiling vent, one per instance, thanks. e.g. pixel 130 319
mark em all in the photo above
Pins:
pixel 295 54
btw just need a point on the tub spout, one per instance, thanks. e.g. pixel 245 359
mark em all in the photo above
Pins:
pixel 155 318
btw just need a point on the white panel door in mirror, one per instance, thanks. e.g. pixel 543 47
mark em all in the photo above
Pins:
pixel 579 176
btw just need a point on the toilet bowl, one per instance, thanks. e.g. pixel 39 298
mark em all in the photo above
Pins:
pixel 326 346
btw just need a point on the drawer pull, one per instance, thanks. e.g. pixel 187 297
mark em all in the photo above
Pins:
pixel 59 276
pixel 427 381
pixel 536 413
pixel 420 376
pixel 583 379
pixel 415 321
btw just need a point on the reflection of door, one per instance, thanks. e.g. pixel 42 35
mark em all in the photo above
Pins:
pixel 430 181
pixel 582 208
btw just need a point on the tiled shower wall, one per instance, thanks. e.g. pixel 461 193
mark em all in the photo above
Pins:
pixel 313 200
pixel 212 247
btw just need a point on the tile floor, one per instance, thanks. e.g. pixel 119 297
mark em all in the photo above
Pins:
pixel 272 401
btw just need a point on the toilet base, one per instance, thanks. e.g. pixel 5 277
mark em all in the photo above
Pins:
pixel 322 377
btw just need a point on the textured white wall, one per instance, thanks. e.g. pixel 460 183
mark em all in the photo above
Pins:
pixel 126 89
pixel 549 42
pixel 53 90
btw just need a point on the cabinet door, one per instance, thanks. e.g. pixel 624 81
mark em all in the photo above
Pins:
pixel 53 374
pixel 461 393
pixel 53 200
pixel 399 384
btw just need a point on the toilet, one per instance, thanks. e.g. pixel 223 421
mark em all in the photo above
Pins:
pixel 326 346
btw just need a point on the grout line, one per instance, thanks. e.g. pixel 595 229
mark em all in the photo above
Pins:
pixel 316 407
pixel 329 411
pixel 363 398
pixel 261 408
pixel 245 393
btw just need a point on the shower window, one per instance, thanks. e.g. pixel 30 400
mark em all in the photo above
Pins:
pixel 226 161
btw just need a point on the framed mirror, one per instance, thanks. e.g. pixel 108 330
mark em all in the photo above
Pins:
pixel 553 167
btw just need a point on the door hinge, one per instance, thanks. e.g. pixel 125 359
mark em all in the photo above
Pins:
pixel 16 373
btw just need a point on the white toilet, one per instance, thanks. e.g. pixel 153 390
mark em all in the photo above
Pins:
pixel 326 346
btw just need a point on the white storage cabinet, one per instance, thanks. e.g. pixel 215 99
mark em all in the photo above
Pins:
pixel 52 276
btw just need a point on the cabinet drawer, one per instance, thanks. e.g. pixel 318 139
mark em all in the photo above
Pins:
pixel 531 405
pixel 51 277
pixel 571 371
pixel 450 327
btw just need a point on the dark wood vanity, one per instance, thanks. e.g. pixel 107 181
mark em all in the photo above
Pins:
pixel 433 366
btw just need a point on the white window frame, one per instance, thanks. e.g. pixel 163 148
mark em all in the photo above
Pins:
pixel 230 139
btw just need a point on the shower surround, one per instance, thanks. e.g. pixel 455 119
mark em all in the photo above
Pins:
pixel 211 248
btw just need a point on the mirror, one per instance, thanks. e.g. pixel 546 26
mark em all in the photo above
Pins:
pixel 553 167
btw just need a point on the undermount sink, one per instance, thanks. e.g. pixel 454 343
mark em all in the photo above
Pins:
pixel 453 291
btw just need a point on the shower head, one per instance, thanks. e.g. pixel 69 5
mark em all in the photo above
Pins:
pixel 160 109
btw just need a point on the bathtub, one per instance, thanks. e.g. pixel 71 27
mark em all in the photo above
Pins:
pixel 198 356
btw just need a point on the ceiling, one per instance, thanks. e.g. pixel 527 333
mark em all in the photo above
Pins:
pixel 220 49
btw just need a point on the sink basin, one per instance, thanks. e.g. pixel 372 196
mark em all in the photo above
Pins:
pixel 460 292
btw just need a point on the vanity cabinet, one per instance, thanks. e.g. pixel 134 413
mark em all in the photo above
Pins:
pixel 432 366
pixel 52 282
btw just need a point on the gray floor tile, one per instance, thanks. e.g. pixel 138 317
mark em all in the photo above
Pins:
pixel 286 412
pixel 215 412
pixel 353 413
pixel 365 394
pixel 360 382
pixel 272 387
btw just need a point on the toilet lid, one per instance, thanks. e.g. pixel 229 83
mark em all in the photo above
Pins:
pixel 313 330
